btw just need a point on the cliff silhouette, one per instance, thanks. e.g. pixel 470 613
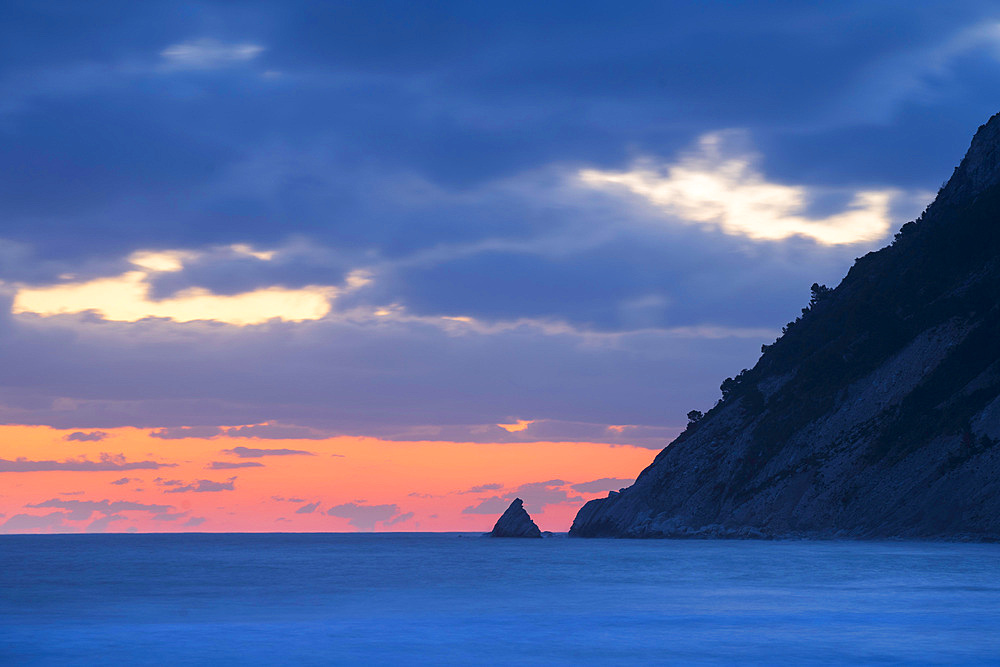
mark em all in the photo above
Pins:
pixel 877 412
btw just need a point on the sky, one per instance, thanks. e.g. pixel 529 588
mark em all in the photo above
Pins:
pixel 295 266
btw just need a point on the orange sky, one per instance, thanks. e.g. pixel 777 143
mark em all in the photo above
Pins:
pixel 380 485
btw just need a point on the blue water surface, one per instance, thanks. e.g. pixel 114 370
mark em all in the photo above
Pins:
pixel 459 599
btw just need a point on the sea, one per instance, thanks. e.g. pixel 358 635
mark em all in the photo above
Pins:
pixel 460 599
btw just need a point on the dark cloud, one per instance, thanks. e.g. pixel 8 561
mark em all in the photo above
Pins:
pixel 194 522
pixel 522 372
pixel 107 462
pixel 230 465
pixel 123 480
pixel 602 485
pixel 92 436
pixel 469 121
pixel 364 517
pixel 223 271
pixel 201 486
pixel 307 509
pixel 484 110
pixel 250 453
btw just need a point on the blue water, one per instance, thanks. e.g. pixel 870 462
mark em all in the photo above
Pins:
pixel 449 599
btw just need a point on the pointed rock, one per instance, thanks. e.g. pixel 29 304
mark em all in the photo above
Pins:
pixel 515 522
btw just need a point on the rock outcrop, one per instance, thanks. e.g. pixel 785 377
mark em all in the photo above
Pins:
pixel 876 414
pixel 515 522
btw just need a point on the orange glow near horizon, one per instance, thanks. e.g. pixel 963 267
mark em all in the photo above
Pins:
pixel 370 484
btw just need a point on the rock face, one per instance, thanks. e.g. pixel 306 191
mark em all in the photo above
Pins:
pixel 875 414
pixel 515 522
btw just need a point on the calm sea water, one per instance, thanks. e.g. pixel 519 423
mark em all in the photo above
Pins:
pixel 450 599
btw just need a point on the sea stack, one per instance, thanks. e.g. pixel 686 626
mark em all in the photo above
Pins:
pixel 515 522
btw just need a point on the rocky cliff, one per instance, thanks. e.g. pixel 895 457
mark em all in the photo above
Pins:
pixel 875 414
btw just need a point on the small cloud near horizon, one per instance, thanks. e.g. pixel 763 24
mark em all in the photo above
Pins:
pixel 364 517
pixel 251 453
pixel 107 462
pixel 82 436
pixel 307 509
pixel 402 518
pixel 602 485
pixel 495 486
pixel 201 486
pixel 180 432
pixel 231 465
pixel 81 510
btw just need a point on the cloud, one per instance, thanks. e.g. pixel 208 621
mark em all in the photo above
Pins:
pixel 250 453
pixel 364 517
pixel 194 522
pixel 718 187
pixel 536 496
pixel 544 430
pixel 100 524
pixel 203 486
pixel 24 523
pixel 602 485
pixel 495 505
pixel 123 480
pixel 592 311
pixel 516 427
pixel 494 486
pixel 207 53
pixel 201 375
pixel 307 509
pixel 402 518
pixel 107 462
pixel 230 465
pixel 918 73
pixel 281 499
pixel 275 432
pixel 264 431
pixel 80 436
pixel 179 432
pixel 170 516
pixel 126 298
pixel 613 377
pixel 81 510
